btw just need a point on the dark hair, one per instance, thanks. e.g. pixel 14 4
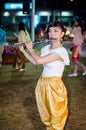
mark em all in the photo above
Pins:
pixel 79 23
pixel 57 24
pixel 21 27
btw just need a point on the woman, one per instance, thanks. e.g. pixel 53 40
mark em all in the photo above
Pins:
pixel 77 47
pixel 51 94
pixel 23 37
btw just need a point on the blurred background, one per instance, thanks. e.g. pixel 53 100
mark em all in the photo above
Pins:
pixel 14 11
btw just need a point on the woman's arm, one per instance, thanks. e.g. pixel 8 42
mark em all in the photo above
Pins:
pixel 42 59
pixel 32 56
pixel 27 55
pixel 45 59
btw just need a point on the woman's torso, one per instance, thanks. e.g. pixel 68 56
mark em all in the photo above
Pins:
pixel 78 38
pixel 23 36
pixel 55 68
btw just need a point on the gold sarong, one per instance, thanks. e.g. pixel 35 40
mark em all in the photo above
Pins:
pixel 51 97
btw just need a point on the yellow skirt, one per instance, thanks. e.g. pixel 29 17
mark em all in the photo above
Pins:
pixel 51 98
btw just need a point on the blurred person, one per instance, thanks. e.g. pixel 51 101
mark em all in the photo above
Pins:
pixel 84 33
pixel 2 42
pixel 51 93
pixel 77 47
pixel 23 37
pixel 41 33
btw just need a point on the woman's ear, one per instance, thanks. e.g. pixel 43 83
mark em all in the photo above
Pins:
pixel 62 34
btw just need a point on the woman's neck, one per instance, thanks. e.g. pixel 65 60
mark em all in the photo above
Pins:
pixel 56 45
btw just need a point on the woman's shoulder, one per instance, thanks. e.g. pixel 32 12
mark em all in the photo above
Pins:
pixel 61 50
pixel 21 31
pixel 46 47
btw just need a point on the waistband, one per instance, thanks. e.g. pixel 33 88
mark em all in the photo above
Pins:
pixel 50 78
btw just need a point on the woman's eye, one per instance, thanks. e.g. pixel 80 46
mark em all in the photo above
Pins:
pixel 49 31
pixel 55 31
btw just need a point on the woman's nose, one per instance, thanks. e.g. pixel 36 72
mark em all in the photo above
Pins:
pixel 52 33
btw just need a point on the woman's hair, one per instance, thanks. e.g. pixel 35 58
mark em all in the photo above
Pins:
pixel 79 23
pixel 57 24
pixel 22 27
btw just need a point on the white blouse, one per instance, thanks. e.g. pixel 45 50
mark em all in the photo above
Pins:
pixel 55 68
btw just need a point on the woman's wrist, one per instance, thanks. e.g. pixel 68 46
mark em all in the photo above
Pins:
pixel 30 49
pixel 23 50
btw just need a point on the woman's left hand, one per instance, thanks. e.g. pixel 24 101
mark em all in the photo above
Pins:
pixel 21 48
pixel 29 45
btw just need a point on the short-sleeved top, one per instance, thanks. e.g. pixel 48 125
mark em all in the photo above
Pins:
pixel 55 68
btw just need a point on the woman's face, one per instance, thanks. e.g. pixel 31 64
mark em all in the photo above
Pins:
pixel 55 33
pixel 76 23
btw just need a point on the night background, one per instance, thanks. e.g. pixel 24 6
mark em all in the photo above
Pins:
pixel 55 4
pixel 77 6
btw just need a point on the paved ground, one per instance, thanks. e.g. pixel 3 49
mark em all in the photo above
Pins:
pixel 18 109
